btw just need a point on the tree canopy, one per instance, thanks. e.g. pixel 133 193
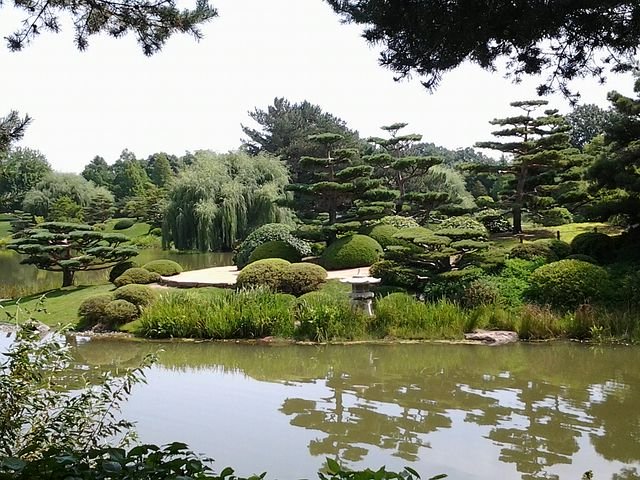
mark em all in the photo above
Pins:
pixel 566 40
pixel 152 22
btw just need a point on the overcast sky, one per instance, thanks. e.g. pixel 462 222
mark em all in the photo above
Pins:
pixel 194 95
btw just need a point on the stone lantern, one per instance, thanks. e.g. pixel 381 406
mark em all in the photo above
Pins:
pixel 361 294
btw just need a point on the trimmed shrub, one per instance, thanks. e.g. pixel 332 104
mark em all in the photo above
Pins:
pixel 494 220
pixel 555 216
pixel 268 272
pixel 140 295
pixel 391 273
pixel 275 249
pixel 384 235
pixel 533 251
pixel 124 223
pixel 301 278
pixel 120 268
pixel 398 221
pixel 156 232
pixel 119 312
pixel 597 245
pixel 351 251
pixel 136 275
pixel 480 292
pixel 569 283
pixel 464 223
pixel 582 258
pixel 558 247
pixel 166 268
pixel 269 233
pixel 92 310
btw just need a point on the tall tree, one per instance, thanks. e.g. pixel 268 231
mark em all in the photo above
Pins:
pixel 159 169
pixel 70 247
pixel 152 22
pixel 20 171
pixel 130 179
pixel 99 172
pixel 220 199
pixel 568 39
pixel 617 168
pixel 587 122
pixel 12 128
pixel 284 129
pixel 394 162
pixel 537 144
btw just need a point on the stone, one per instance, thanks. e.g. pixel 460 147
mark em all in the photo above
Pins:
pixel 492 337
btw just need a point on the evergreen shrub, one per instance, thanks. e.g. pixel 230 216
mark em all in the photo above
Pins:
pixel 392 273
pixel 119 312
pixel 156 232
pixel 301 278
pixel 136 275
pixel 597 245
pixel 268 272
pixel 351 251
pixel 398 221
pixel 166 268
pixel 92 310
pixel 582 258
pixel 120 268
pixel 533 251
pixel 569 283
pixel 275 249
pixel 140 295
pixel 269 233
pixel 124 223
pixel 384 235
pixel 558 247
pixel 555 216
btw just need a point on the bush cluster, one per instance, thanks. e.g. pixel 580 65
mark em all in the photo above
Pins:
pixel 555 216
pixel 270 232
pixel 558 247
pixel 282 276
pixel 275 249
pixel 140 295
pixel 92 311
pixel 597 245
pixel 120 268
pixel 119 312
pixel 398 221
pixel 533 251
pixel 166 268
pixel 351 251
pixel 124 223
pixel 384 235
pixel 136 275
pixel 569 283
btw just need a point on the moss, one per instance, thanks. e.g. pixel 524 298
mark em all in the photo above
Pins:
pixel 166 268
pixel 275 249
pixel 351 251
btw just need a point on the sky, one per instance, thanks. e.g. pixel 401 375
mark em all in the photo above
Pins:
pixel 195 95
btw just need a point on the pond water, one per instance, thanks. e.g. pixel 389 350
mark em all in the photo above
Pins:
pixel 18 280
pixel 473 412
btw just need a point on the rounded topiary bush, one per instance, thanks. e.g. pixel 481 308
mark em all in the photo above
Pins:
pixel 124 223
pixel 569 283
pixel 269 233
pixel 301 278
pixel 119 312
pixel 92 310
pixel 582 258
pixel 351 251
pixel 268 272
pixel 275 249
pixel 558 247
pixel 597 245
pixel 136 275
pixel 166 268
pixel 384 235
pixel 156 232
pixel 398 221
pixel 140 295
pixel 120 268
pixel 556 216
pixel 532 251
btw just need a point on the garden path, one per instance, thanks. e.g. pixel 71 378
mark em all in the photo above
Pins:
pixel 226 277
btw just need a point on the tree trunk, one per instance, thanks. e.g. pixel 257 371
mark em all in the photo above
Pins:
pixel 519 200
pixel 517 219
pixel 67 277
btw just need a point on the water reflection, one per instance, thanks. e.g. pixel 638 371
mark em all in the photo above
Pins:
pixel 545 410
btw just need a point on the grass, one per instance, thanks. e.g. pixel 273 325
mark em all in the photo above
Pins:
pixel 567 232
pixel 139 229
pixel 60 305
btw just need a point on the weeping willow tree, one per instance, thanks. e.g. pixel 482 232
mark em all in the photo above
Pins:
pixel 221 198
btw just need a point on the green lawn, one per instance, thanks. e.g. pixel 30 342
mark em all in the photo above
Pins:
pixel 60 306
pixel 567 232
pixel 5 228
pixel 137 230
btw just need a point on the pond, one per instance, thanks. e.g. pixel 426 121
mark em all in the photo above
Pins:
pixel 19 280
pixel 473 412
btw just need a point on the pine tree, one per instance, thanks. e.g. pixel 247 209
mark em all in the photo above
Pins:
pixel 538 146
pixel 398 167
pixel 100 208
